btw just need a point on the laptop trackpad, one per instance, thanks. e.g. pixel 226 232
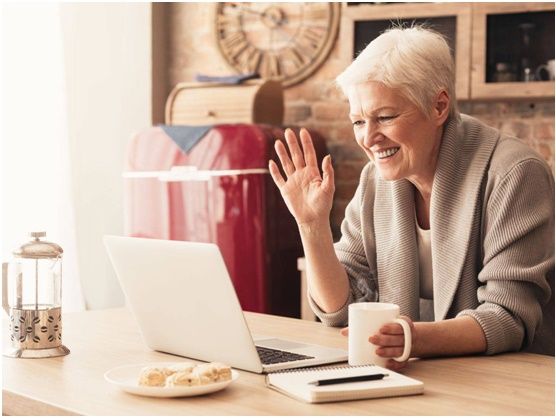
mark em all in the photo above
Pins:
pixel 279 344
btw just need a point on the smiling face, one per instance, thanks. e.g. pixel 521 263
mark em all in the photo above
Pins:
pixel 402 142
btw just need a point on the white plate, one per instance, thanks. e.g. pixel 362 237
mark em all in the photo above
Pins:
pixel 127 377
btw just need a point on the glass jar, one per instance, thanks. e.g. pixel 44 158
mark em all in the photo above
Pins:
pixel 503 73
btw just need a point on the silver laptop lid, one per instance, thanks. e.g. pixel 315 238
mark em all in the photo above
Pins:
pixel 183 299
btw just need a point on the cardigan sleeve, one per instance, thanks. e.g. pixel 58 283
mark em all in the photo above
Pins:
pixel 351 254
pixel 518 257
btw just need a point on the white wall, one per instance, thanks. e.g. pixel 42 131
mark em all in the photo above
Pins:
pixel 108 68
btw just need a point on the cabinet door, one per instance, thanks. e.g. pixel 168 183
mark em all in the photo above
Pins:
pixel 361 23
pixel 507 38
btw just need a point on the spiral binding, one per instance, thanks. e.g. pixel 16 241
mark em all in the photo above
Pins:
pixel 316 369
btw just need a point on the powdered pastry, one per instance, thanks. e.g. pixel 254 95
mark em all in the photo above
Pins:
pixel 183 379
pixel 207 372
pixel 153 376
pixel 224 372
pixel 180 367
pixel 185 374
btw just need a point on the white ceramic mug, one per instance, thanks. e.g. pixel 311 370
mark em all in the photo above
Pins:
pixel 548 67
pixel 365 319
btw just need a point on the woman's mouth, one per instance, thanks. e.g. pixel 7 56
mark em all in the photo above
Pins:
pixel 383 154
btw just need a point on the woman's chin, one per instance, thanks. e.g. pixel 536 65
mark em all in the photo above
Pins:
pixel 389 175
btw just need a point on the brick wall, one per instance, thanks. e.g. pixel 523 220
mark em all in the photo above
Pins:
pixel 317 104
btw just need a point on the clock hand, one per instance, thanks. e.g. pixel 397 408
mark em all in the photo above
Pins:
pixel 247 9
pixel 285 35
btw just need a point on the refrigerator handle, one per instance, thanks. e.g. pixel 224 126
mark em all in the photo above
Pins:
pixel 206 175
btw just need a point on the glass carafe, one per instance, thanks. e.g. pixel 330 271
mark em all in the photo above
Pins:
pixel 32 296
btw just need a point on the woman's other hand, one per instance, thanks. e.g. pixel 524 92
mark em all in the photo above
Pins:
pixel 390 342
pixel 308 196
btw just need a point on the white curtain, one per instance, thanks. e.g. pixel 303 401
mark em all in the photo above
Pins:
pixel 35 190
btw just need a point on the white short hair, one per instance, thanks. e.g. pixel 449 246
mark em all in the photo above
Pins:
pixel 416 61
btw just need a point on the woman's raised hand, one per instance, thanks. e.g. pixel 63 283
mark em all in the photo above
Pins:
pixel 308 195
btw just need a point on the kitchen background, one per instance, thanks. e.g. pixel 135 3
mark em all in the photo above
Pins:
pixel 188 47
pixel 118 62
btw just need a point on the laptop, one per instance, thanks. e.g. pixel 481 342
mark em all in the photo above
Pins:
pixel 185 304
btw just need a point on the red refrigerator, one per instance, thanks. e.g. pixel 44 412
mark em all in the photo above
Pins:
pixel 220 191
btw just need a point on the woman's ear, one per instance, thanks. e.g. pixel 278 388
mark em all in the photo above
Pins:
pixel 441 108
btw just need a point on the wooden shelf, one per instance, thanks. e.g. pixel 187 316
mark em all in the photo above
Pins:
pixel 513 90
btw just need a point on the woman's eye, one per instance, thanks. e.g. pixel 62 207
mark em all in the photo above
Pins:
pixel 358 123
pixel 386 118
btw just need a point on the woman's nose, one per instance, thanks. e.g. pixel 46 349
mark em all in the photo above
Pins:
pixel 372 136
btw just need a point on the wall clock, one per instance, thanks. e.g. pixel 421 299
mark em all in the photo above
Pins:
pixel 280 41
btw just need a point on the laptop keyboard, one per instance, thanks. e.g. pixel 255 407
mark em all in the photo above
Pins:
pixel 272 356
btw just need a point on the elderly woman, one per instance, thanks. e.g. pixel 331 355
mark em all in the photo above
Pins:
pixel 452 220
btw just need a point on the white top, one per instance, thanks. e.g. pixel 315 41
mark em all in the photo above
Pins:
pixel 425 272
pixel 425 261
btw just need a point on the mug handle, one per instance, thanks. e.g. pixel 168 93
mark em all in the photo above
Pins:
pixel 407 340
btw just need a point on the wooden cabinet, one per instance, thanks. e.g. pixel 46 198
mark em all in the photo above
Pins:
pixel 498 31
pixel 362 22
pixel 481 36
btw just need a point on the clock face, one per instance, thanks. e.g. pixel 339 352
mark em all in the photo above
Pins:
pixel 280 41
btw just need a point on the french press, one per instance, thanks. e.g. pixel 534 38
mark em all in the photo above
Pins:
pixel 32 296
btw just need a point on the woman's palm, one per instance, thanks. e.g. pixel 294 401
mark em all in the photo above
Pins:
pixel 307 194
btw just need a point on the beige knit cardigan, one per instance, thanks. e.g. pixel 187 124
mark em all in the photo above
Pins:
pixel 492 238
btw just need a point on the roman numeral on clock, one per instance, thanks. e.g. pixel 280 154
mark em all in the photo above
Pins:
pixel 271 66
pixel 250 59
pixel 234 44
pixel 292 55
pixel 309 39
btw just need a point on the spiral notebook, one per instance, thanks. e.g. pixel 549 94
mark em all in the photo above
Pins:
pixel 298 384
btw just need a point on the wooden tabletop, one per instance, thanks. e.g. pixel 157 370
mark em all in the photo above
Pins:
pixel 508 384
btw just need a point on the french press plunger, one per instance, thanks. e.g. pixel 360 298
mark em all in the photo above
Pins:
pixel 32 296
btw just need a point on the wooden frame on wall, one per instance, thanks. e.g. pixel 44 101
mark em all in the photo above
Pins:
pixel 480 88
pixel 461 11
pixel 159 78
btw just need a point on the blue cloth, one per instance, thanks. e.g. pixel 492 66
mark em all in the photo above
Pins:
pixel 231 79
pixel 186 136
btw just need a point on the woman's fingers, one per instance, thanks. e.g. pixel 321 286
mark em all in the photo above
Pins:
pixel 285 160
pixel 308 148
pixel 275 174
pixel 327 173
pixel 344 331
pixel 389 351
pixel 387 340
pixel 392 328
pixel 295 151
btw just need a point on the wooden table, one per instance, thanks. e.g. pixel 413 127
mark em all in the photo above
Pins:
pixel 508 384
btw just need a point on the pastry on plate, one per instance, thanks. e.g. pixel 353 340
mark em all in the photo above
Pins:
pixel 184 378
pixel 153 376
pixel 180 367
pixel 208 373
pixel 223 371
pixel 214 372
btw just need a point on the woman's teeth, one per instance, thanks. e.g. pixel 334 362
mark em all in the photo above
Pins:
pixel 387 153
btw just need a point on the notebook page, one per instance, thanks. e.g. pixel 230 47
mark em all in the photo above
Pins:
pixel 296 384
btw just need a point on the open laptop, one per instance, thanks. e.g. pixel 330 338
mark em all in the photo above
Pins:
pixel 185 304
